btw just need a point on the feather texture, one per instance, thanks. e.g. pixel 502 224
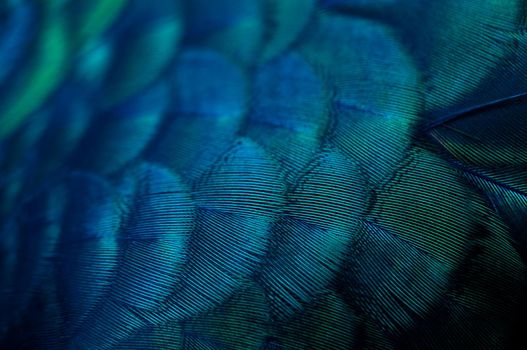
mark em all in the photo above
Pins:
pixel 210 92
pixel 311 239
pixel 367 107
pixel 290 113
pixel 87 251
pixel 263 174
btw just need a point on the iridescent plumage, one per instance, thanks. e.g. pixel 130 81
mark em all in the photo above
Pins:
pixel 263 174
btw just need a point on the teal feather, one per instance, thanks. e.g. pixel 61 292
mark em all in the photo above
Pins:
pixel 392 280
pixel 263 174
pixel 285 21
pixel 141 61
pixel 210 92
pixel 238 34
pixel 240 192
pixel 291 111
pixel 137 120
pixel 87 251
pixel 310 240
pixel 16 33
pixel 158 226
pixel 372 124
pixel 238 323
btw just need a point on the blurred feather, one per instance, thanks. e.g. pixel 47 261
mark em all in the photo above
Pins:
pixel 89 19
pixel 285 22
pixel 93 64
pixel 44 71
pixel 17 32
pixel 238 33
pixel 38 227
pixel 67 120
pixel 263 174
pixel 145 50
pixel 136 120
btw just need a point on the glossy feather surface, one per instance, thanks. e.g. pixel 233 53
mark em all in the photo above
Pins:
pixel 263 174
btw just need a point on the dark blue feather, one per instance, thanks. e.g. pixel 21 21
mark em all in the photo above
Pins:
pixel 263 174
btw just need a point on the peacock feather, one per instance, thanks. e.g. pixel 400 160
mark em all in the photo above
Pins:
pixel 263 174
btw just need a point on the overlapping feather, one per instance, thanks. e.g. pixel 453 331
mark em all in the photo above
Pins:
pixel 262 174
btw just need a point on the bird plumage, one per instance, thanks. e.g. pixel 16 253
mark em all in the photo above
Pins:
pixel 263 174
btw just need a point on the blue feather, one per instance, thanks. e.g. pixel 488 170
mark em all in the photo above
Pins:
pixel 238 195
pixel 263 174
pixel 87 250
pixel 159 222
pixel 16 35
pixel 372 124
pixel 210 93
pixel 290 112
pixel 136 120
pixel 392 280
pixel 309 242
